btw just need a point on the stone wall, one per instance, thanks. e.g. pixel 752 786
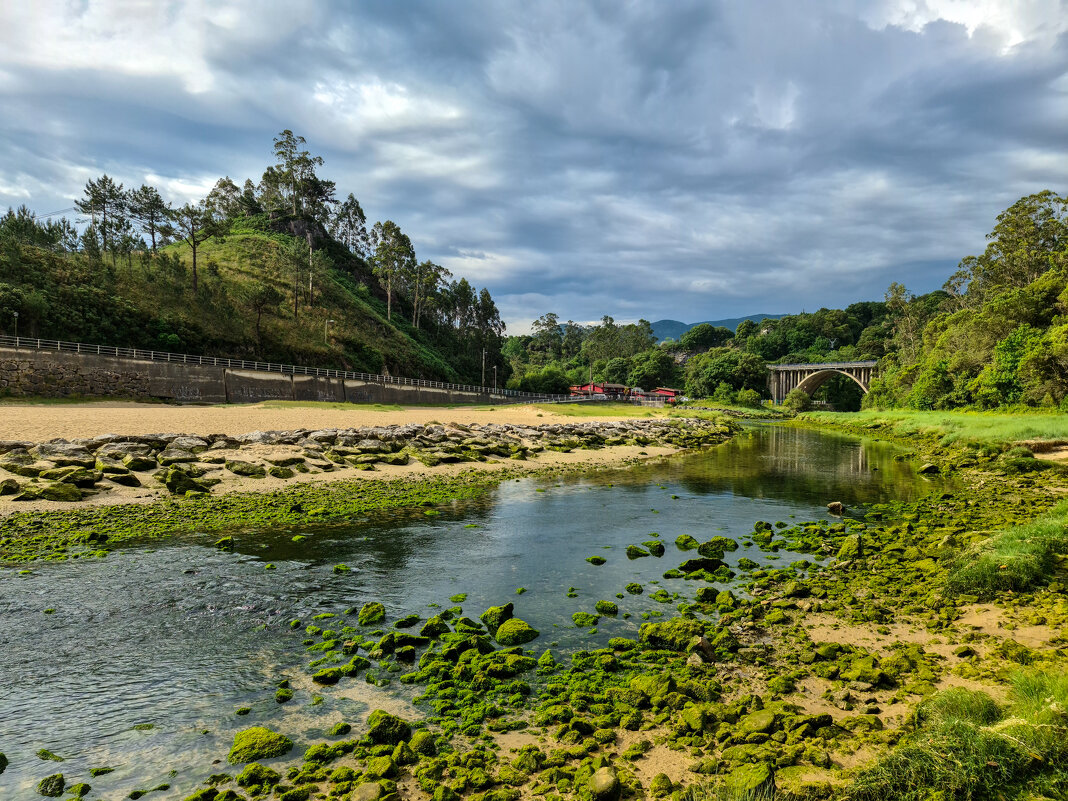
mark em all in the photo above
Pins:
pixel 54 374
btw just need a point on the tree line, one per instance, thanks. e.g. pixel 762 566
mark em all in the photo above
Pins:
pixel 323 244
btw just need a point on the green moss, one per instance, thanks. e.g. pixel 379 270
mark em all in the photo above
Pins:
pixel 51 786
pixel 372 612
pixel 258 743
pixel 382 727
pixel 515 632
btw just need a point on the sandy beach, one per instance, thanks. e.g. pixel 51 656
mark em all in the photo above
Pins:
pixel 43 422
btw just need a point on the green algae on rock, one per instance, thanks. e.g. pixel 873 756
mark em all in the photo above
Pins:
pixel 371 612
pixel 384 728
pixel 51 786
pixel 258 743
pixel 515 632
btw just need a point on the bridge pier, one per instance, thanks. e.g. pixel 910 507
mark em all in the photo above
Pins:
pixel 784 378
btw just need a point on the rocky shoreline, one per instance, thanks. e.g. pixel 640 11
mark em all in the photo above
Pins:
pixel 62 470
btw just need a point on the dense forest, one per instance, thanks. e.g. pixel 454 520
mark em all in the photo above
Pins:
pixel 995 336
pixel 707 361
pixel 281 270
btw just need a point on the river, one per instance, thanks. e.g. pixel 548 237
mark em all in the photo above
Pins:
pixel 138 661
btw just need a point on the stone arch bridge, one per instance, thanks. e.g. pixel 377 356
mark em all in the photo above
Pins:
pixel 809 377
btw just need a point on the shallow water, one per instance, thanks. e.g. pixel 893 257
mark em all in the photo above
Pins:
pixel 171 639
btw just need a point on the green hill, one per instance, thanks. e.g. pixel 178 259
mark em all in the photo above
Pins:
pixel 243 306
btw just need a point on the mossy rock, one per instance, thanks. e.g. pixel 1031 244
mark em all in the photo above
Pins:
pixel 634 588
pixel 404 755
pixel 434 627
pixel 387 729
pixel 673 635
pixel 584 620
pixel 280 472
pixel 179 482
pixel 139 463
pixel 372 612
pixel 3 762
pixel 327 676
pixel 424 743
pixel 684 542
pixel 257 775
pixel 656 547
pixel 495 616
pixel 852 548
pixel 762 721
pixel 751 782
pixel 805 781
pixel 248 469
pixel 258 743
pixel 51 786
pixel 604 784
pixel 635 552
pixel 382 767
pixel 597 561
pixel 660 786
pixel 607 608
pixel 80 790
pixel 368 791
pixel 515 632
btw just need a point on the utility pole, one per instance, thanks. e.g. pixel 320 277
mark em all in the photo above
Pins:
pixel 494 378
pixel 16 314
pixel 483 367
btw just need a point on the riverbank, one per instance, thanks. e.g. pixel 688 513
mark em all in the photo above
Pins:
pixel 39 422
pixel 873 665
pixel 156 484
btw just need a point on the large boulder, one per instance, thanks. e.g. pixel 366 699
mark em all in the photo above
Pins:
pixel 51 786
pixel 515 632
pixel 372 612
pixel 252 745
pixel 671 635
pixel 386 729
pixel 604 784
pixel 64 454
pixel 495 616
pixel 179 482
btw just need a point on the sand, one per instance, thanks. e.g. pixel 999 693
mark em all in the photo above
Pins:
pixel 42 422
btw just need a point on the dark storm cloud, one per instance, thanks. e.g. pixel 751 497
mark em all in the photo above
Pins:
pixel 688 160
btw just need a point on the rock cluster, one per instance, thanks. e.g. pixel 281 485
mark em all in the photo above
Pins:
pixel 69 471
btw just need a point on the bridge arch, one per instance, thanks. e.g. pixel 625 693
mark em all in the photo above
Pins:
pixel 783 378
pixel 816 380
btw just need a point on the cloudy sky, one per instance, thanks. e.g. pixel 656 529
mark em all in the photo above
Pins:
pixel 685 160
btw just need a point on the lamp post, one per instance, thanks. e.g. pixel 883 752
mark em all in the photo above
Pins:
pixel 326 332
pixel 494 378
pixel 16 315
pixel 483 367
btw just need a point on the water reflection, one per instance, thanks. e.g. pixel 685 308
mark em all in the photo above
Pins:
pixel 179 635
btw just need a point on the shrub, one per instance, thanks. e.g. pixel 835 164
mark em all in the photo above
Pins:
pixel 798 401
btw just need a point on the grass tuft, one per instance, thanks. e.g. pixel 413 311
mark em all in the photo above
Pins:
pixel 1018 559
pixel 969 749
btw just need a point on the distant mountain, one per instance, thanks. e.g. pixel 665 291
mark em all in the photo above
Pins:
pixel 673 329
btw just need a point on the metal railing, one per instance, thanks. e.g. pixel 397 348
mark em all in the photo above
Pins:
pixel 34 343
pixel 822 365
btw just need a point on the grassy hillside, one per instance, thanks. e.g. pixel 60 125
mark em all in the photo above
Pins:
pixel 144 301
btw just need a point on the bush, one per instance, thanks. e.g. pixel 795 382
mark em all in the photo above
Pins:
pixel 748 397
pixel 798 401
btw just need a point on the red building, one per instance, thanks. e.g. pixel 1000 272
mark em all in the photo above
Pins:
pixel 668 394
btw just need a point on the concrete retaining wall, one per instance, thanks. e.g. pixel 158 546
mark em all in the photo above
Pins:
pixel 54 374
